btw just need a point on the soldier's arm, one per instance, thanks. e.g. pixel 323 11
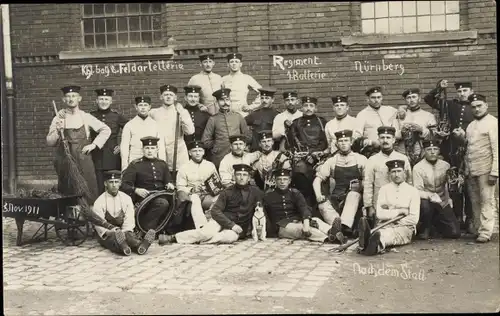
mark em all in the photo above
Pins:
pixel 182 181
pixel 301 205
pixel 359 127
pixel 208 134
pixel 414 211
pixel 122 120
pixel 53 135
pixel 167 177
pixel 418 183
pixel 186 122
pixel 162 149
pixel 383 213
pixel 409 178
pixel 323 140
pixel 128 179
pixel 278 128
pixel 217 212
pixel 226 173
pixel 245 131
pixel 129 219
pixel 293 135
pixel 255 86
pixel 432 98
pixel 103 131
pixel 125 145
pixel 99 209
pixel 493 136
pixel 368 179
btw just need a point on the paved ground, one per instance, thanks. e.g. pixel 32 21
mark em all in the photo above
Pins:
pixel 276 276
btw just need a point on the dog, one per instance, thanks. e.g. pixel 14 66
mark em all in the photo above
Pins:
pixel 259 223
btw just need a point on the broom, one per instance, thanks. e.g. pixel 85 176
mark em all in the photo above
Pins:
pixel 74 180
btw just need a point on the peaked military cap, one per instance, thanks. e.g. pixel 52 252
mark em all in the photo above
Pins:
pixel 460 85
pixel 282 172
pixel 343 133
pixel 234 56
pixel 291 94
pixel 410 91
pixel 386 130
pixel 373 90
pixel 309 100
pixel 430 143
pixel 149 141
pixel 71 88
pixel 234 138
pixel 192 89
pixel 104 92
pixel 168 87
pixel 222 93
pixel 242 167
pixel 477 97
pixel 194 144
pixel 265 134
pixel 143 99
pixel 207 57
pixel 340 98
pixel 267 91
pixel 396 163
pixel 112 174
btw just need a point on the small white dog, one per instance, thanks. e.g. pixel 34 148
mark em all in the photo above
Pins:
pixel 259 223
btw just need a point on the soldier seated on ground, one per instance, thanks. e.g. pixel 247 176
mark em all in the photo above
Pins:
pixel 291 216
pixel 394 199
pixel 231 214
pixel 115 211
pixel 198 183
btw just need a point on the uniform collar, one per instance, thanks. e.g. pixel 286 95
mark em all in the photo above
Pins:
pixel 282 191
pixel 414 109
pixel 295 111
pixel 480 118
pixel 392 150
pixel 245 187
pixel 104 111
pixel 345 154
pixel 191 107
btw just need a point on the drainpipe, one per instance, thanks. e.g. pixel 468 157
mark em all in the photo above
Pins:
pixel 10 98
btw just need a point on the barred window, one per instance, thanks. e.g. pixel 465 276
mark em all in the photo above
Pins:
pixel 121 25
pixel 396 17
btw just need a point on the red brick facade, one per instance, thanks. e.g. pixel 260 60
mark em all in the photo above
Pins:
pixel 312 41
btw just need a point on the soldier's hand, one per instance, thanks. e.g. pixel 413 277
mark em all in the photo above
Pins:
pixel 170 186
pixel 403 211
pixel 179 107
pixel 401 114
pixel 320 198
pixel 384 206
pixel 87 149
pixel 371 212
pixel 492 180
pixel 116 150
pixel 237 229
pixel 61 114
pixel 435 198
pixel 443 83
pixel 367 142
pixel 203 108
pixel 143 193
pixel 288 123
pixel 59 124
pixel 306 230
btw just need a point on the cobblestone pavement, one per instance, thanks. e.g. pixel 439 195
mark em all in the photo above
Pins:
pixel 276 276
pixel 274 268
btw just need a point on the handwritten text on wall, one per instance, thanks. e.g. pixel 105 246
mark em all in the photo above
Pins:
pixel 303 74
pixel 367 66
pixel 127 68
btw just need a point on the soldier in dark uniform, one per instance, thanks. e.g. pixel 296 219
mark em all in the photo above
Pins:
pixel 262 119
pixel 307 134
pixel 199 117
pixel 148 174
pixel 108 157
pixel 459 114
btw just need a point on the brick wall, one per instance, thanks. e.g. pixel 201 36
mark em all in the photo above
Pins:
pixel 310 31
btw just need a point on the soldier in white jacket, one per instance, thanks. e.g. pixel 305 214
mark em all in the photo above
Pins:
pixel 166 118
pixel 341 121
pixel 394 199
pixel 140 126
pixel 481 166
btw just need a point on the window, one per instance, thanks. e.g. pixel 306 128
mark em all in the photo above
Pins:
pixel 121 25
pixel 396 17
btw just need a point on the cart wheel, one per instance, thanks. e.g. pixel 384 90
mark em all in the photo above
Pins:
pixel 74 233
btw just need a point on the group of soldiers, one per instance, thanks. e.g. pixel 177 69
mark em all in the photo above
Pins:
pixel 325 181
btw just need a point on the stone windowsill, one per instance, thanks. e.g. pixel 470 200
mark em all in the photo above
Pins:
pixel 165 52
pixel 379 41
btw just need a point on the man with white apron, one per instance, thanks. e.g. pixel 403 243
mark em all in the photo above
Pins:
pixel 76 125
pixel 346 168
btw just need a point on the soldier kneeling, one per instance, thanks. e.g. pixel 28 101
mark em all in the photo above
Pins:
pixel 289 212
pixel 113 215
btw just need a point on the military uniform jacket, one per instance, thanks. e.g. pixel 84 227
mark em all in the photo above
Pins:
pixel 420 117
pixel 226 170
pixel 335 125
pixel 209 83
pixel 309 131
pixel 369 119
pixel 482 147
pixel 193 175
pixel 260 120
pixel 104 158
pixel 286 206
pixel 232 208
pixel 459 112
pixel 397 197
pixel 431 178
pixel 279 122
pixel 200 119
pixel 144 173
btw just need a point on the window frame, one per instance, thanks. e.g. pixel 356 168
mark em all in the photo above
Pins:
pixel 416 16
pixel 127 15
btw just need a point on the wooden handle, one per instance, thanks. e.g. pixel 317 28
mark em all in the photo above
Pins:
pixel 56 113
